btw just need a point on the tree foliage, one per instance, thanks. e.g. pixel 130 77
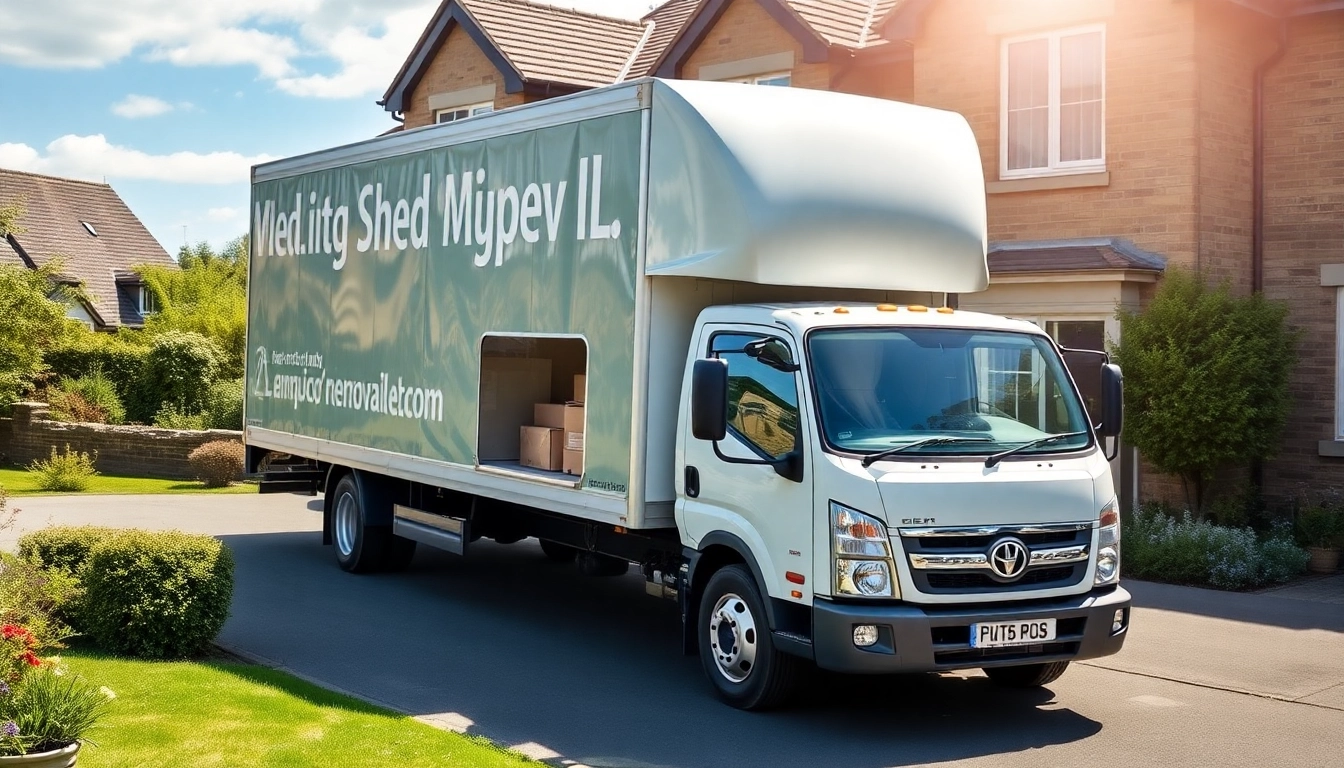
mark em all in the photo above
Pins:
pixel 1206 379
pixel 207 295
pixel 33 306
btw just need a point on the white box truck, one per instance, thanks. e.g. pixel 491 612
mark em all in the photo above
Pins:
pixel 702 328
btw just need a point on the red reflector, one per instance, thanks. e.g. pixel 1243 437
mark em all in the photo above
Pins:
pixel 796 578
pixel 1109 517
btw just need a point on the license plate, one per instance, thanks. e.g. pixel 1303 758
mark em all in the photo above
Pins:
pixel 997 634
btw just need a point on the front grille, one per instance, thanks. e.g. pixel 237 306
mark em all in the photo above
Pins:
pixel 972 656
pixel 1059 576
pixel 978 543
pixel 980 581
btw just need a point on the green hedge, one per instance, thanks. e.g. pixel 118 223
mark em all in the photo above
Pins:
pixel 1159 545
pixel 118 360
pixel 146 593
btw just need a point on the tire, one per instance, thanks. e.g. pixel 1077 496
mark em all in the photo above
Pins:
pixel 1027 675
pixel 361 547
pixel 558 552
pixel 751 674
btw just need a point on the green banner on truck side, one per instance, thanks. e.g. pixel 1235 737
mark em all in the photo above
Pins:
pixel 373 284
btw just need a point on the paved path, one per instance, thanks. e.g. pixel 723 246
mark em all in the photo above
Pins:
pixel 586 671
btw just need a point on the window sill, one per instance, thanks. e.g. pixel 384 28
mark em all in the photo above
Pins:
pixel 1044 183
pixel 1333 448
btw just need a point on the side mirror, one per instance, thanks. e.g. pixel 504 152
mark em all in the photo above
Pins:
pixel 709 399
pixel 1112 400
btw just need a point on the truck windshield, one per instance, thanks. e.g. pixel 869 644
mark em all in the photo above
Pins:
pixel 884 388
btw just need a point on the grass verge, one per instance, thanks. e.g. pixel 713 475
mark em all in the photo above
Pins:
pixel 21 482
pixel 218 713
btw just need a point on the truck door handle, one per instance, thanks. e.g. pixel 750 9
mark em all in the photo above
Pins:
pixel 692 481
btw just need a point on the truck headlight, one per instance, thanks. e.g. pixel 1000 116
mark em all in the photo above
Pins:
pixel 1108 546
pixel 861 550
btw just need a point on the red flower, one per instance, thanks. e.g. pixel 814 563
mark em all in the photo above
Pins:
pixel 32 659
pixel 11 631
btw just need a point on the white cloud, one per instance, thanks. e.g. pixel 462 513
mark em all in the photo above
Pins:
pixel 224 214
pixel 94 158
pixel 135 105
pixel 316 48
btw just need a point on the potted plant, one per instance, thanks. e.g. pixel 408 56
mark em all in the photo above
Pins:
pixel 1321 527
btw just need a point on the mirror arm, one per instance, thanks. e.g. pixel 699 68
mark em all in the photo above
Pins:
pixel 1114 450
pixel 789 467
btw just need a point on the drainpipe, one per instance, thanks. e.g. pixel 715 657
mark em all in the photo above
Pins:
pixel 1258 162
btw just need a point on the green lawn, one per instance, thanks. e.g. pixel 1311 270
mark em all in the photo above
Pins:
pixel 170 714
pixel 20 482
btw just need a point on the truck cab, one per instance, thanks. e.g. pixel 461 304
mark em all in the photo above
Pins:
pixel 902 498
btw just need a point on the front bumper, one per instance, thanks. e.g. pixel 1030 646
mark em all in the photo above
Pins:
pixel 914 638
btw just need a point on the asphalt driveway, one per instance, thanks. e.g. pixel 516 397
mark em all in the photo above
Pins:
pixel 583 671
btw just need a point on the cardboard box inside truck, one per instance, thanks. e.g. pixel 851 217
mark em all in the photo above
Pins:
pixel 542 448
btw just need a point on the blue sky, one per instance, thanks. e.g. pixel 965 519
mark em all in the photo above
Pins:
pixel 172 101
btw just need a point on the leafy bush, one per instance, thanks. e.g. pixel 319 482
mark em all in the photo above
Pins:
pixel 68 472
pixel 1321 524
pixel 179 370
pixel 115 356
pixel 89 398
pixel 224 405
pixel 218 462
pixel 34 599
pixel 205 294
pixel 1161 547
pixel 171 418
pixel 62 547
pixel 1206 379
pixel 157 594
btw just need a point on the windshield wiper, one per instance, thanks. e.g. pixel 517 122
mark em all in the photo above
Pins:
pixel 871 459
pixel 996 458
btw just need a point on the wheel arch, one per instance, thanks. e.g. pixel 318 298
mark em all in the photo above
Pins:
pixel 717 550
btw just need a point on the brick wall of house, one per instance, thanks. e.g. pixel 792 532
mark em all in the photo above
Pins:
pixel 1304 228
pixel 1230 41
pixel 883 77
pixel 1151 114
pixel 746 31
pixel 459 64
pixel 134 451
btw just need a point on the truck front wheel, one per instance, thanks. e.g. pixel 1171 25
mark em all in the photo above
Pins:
pixel 1027 675
pixel 736 649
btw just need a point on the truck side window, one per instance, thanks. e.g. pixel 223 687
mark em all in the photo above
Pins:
pixel 762 401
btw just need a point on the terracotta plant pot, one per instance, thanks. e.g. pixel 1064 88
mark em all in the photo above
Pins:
pixel 57 758
pixel 1323 559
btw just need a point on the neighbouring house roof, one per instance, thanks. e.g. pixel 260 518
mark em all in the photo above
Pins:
pixel 90 225
pixel 1102 254
pixel 662 25
pixel 847 23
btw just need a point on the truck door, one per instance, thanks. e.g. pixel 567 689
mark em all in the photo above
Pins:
pixel 769 513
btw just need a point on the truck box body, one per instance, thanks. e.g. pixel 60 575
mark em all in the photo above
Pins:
pixel 411 295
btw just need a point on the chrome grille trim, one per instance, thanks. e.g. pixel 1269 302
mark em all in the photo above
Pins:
pixel 970 561
pixel 993 530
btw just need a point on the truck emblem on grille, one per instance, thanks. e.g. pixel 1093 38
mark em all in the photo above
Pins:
pixel 1008 558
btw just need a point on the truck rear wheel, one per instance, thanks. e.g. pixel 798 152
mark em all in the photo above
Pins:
pixel 361 547
pixel 1027 675
pixel 736 649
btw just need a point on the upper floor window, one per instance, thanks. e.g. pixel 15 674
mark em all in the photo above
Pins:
pixel 1052 114
pixel 778 78
pixel 462 113
pixel 148 304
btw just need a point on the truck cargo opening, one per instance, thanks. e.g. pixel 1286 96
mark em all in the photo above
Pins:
pixel 531 412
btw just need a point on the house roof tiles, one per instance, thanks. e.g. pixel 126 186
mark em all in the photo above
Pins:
pixel 55 210
pixel 557 45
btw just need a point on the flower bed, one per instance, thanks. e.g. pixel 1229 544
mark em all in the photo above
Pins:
pixel 1181 550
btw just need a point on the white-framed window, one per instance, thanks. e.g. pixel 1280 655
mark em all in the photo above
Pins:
pixel 1052 114
pixel 784 79
pixel 148 304
pixel 462 113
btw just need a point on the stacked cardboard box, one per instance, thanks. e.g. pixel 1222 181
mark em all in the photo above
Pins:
pixel 573 458
pixel 554 440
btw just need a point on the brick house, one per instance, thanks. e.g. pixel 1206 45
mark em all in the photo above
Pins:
pixel 98 236
pixel 1117 138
